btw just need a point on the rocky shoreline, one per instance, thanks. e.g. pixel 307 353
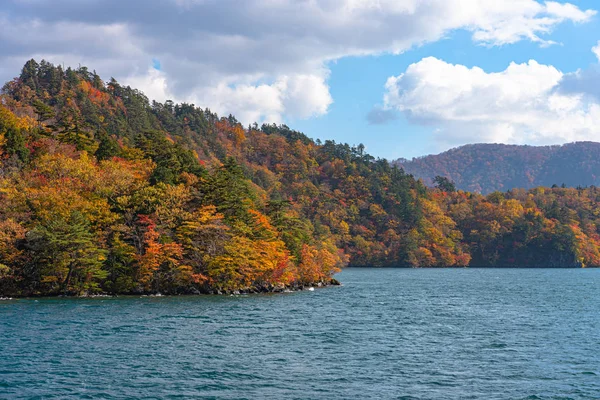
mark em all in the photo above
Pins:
pixel 266 289
pixel 277 288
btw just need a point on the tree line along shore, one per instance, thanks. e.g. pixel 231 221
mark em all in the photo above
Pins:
pixel 104 191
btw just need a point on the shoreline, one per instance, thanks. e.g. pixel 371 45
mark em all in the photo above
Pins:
pixel 270 289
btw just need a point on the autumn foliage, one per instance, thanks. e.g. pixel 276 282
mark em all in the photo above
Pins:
pixel 103 191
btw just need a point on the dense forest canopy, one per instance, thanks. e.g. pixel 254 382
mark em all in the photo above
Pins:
pixel 102 190
pixel 486 168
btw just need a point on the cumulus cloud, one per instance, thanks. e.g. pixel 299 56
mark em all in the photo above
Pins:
pixel 380 115
pixel 522 104
pixel 585 82
pixel 261 59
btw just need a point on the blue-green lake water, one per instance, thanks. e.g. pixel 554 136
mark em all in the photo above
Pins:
pixel 386 333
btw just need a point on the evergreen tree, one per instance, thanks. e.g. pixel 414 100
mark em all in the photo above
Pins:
pixel 444 184
pixel 68 255
pixel 107 147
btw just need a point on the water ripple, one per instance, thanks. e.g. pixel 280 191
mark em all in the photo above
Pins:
pixel 388 333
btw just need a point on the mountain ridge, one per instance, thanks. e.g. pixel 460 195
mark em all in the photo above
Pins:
pixel 489 167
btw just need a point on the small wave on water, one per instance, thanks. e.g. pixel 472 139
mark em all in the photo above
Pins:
pixel 385 334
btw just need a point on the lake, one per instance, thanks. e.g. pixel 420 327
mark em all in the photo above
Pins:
pixel 386 333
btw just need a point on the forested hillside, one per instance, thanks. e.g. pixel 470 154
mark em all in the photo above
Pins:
pixel 104 191
pixel 485 168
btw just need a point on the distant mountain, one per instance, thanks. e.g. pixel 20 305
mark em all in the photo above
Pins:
pixel 486 168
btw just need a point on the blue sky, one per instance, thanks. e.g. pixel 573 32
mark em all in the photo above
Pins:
pixel 434 74
pixel 357 84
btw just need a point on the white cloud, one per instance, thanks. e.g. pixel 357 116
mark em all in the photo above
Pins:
pixel 304 96
pixel 263 59
pixel 596 50
pixel 568 11
pixel 522 104
pixel 509 21
pixel 298 96
pixel 154 83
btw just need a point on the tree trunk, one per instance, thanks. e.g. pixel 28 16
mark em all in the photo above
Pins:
pixel 67 281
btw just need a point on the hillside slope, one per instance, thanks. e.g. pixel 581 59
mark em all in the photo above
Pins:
pixel 104 191
pixel 485 168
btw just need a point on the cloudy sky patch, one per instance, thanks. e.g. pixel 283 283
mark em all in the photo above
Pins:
pixel 275 60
